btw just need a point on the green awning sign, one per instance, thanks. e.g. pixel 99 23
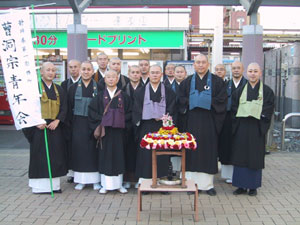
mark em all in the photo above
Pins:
pixel 116 39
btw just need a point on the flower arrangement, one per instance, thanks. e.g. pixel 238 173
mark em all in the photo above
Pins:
pixel 168 137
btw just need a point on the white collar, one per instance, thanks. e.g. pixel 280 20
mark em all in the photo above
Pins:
pixel 144 81
pixel 74 81
pixel 103 74
pixel 153 88
pixel 171 81
pixel 48 86
pixel 111 93
pixel 134 87
pixel 236 84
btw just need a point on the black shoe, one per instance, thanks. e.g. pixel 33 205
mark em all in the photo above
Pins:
pixel 145 192
pixel 58 191
pixel 267 153
pixel 190 192
pixel 252 192
pixel 211 192
pixel 70 180
pixel 165 192
pixel 240 191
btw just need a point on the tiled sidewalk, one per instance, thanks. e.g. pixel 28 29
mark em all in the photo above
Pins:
pixel 277 202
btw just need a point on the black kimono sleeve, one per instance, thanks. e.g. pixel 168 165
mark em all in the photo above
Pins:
pixel 235 98
pixel 183 95
pixel 95 111
pixel 137 109
pixel 127 109
pixel 63 108
pixel 219 101
pixel 170 102
pixel 267 110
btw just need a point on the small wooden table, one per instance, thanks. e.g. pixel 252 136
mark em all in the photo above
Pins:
pixel 146 186
pixel 155 153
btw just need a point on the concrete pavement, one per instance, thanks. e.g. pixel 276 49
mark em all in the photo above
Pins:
pixel 277 202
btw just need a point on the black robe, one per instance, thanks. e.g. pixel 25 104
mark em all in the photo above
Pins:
pixel 144 156
pixel 248 145
pixel 66 84
pixel 131 144
pixel 179 119
pixel 120 84
pixel 204 124
pixel 84 155
pixel 225 137
pixel 142 82
pixel 38 167
pixel 167 83
pixel 98 76
pixel 111 160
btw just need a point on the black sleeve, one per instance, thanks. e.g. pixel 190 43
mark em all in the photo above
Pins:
pixel 267 110
pixel 29 133
pixel 127 109
pixel 95 112
pixel 63 108
pixel 235 98
pixel 137 109
pixel 171 103
pixel 101 85
pixel 219 102
pixel 64 85
pixel 70 100
pixel 183 96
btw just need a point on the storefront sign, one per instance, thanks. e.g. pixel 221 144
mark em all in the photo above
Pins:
pixel 117 39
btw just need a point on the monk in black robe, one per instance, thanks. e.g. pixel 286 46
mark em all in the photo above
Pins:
pixel 111 163
pixel 252 110
pixel 225 138
pixel 144 65
pixel 115 64
pixel 134 74
pixel 84 152
pixel 203 98
pixel 54 111
pixel 74 71
pixel 179 74
pixel 150 103
pixel 102 61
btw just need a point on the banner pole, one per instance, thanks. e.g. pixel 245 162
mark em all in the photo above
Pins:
pixel 41 92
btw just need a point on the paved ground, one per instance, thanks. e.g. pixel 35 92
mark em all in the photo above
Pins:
pixel 277 202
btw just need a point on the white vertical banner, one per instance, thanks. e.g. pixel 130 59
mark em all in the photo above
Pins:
pixel 17 56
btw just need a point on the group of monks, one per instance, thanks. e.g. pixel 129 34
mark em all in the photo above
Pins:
pixel 96 120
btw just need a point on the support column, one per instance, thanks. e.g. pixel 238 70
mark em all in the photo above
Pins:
pixel 217 49
pixel 77 42
pixel 252 45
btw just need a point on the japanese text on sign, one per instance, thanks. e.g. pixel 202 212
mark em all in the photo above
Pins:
pixel 19 68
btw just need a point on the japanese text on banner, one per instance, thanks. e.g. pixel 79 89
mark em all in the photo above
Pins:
pixel 18 63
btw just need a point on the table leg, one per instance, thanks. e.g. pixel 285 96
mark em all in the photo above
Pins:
pixel 183 168
pixel 154 169
pixel 196 204
pixel 139 204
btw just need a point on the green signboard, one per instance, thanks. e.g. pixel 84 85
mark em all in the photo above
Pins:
pixel 116 39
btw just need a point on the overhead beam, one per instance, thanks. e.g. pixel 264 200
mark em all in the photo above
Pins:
pixel 254 5
pixel 84 4
pixel 66 3
pixel 245 4
pixel 74 6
